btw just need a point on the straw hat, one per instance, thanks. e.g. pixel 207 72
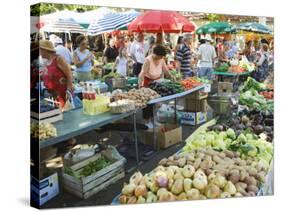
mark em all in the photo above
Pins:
pixel 208 38
pixel 47 45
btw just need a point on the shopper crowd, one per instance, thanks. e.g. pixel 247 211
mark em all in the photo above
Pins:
pixel 147 57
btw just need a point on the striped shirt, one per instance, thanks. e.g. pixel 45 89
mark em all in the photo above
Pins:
pixel 183 55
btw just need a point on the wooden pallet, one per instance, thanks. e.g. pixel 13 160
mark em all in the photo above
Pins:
pixel 88 186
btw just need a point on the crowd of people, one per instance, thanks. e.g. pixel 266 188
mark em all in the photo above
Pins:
pixel 147 57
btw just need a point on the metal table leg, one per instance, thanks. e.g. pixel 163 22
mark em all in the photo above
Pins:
pixel 175 105
pixel 154 127
pixel 136 138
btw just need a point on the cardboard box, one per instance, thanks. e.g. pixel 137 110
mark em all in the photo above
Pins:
pixel 197 95
pixel 45 189
pixel 163 139
pixel 225 88
pixel 196 105
pixel 193 118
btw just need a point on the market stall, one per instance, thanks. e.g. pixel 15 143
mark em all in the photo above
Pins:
pixel 228 157
pixel 175 139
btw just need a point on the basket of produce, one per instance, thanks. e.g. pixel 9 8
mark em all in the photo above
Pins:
pixel 122 106
pixel 118 82
pixel 140 96
pixel 115 80
pixel 89 176
pixel 190 83
pixel 43 131
pixel 223 67
pixel 166 88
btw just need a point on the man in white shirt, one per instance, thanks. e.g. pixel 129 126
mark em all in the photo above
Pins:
pixel 138 51
pixel 63 51
pixel 207 55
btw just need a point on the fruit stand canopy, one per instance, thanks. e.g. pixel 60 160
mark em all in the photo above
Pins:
pixel 161 21
pixel 216 28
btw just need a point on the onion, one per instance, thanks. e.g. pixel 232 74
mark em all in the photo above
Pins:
pixel 162 181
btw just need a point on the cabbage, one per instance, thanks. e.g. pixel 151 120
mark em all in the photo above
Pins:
pixel 223 135
pixel 219 144
pixel 210 138
pixel 253 152
pixel 249 136
pixel 263 163
pixel 230 133
pixel 242 138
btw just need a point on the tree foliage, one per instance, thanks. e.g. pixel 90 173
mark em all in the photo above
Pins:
pixel 46 8
pixel 216 17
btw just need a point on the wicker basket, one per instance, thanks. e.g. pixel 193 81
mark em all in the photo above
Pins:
pixel 122 106
pixel 117 82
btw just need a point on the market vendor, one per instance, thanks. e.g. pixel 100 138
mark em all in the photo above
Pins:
pixel 183 56
pixel 154 67
pixel 110 53
pixel 223 56
pixel 206 55
pixel 57 78
pixel 83 59
pixel 138 51
pixel 262 64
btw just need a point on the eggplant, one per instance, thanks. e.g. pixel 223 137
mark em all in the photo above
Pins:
pixel 218 127
pixel 238 132
pixel 258 129
pixel 245 119
pixel 268 129
pixel 240 126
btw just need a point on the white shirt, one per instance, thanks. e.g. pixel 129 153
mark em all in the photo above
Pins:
pixel 207 53
pixel 138 49
pixel 65 53
pixel 122 66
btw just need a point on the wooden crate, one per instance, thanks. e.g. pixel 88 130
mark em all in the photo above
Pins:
pixel 48 116
pixel 88 186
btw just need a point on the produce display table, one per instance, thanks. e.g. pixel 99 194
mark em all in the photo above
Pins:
pixel 236 76
pixel 168 98
pixel 232 74
pixel 75 123
pixel 178 95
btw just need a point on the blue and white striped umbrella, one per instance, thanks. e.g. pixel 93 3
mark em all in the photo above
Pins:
pixel 111 21
pixel 63 25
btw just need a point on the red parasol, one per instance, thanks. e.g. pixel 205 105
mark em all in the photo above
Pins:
pixel 161 21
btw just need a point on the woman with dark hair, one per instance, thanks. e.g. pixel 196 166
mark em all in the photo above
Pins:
pixel 83 59
pixel 250 51
pixel 154 66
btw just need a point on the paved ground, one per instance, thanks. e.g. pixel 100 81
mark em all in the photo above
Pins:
pixel 105 197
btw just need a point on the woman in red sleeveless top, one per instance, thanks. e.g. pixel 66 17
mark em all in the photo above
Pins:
pixel 58 77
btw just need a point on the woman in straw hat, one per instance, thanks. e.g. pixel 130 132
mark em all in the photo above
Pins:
pixel 58 78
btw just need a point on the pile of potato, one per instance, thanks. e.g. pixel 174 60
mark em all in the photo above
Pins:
pixel 43 131
pixel 200 174
pixel 139 96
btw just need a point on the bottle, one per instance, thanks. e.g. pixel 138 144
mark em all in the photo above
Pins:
pixel 85 100
pixel 92 93
pixel 84 91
